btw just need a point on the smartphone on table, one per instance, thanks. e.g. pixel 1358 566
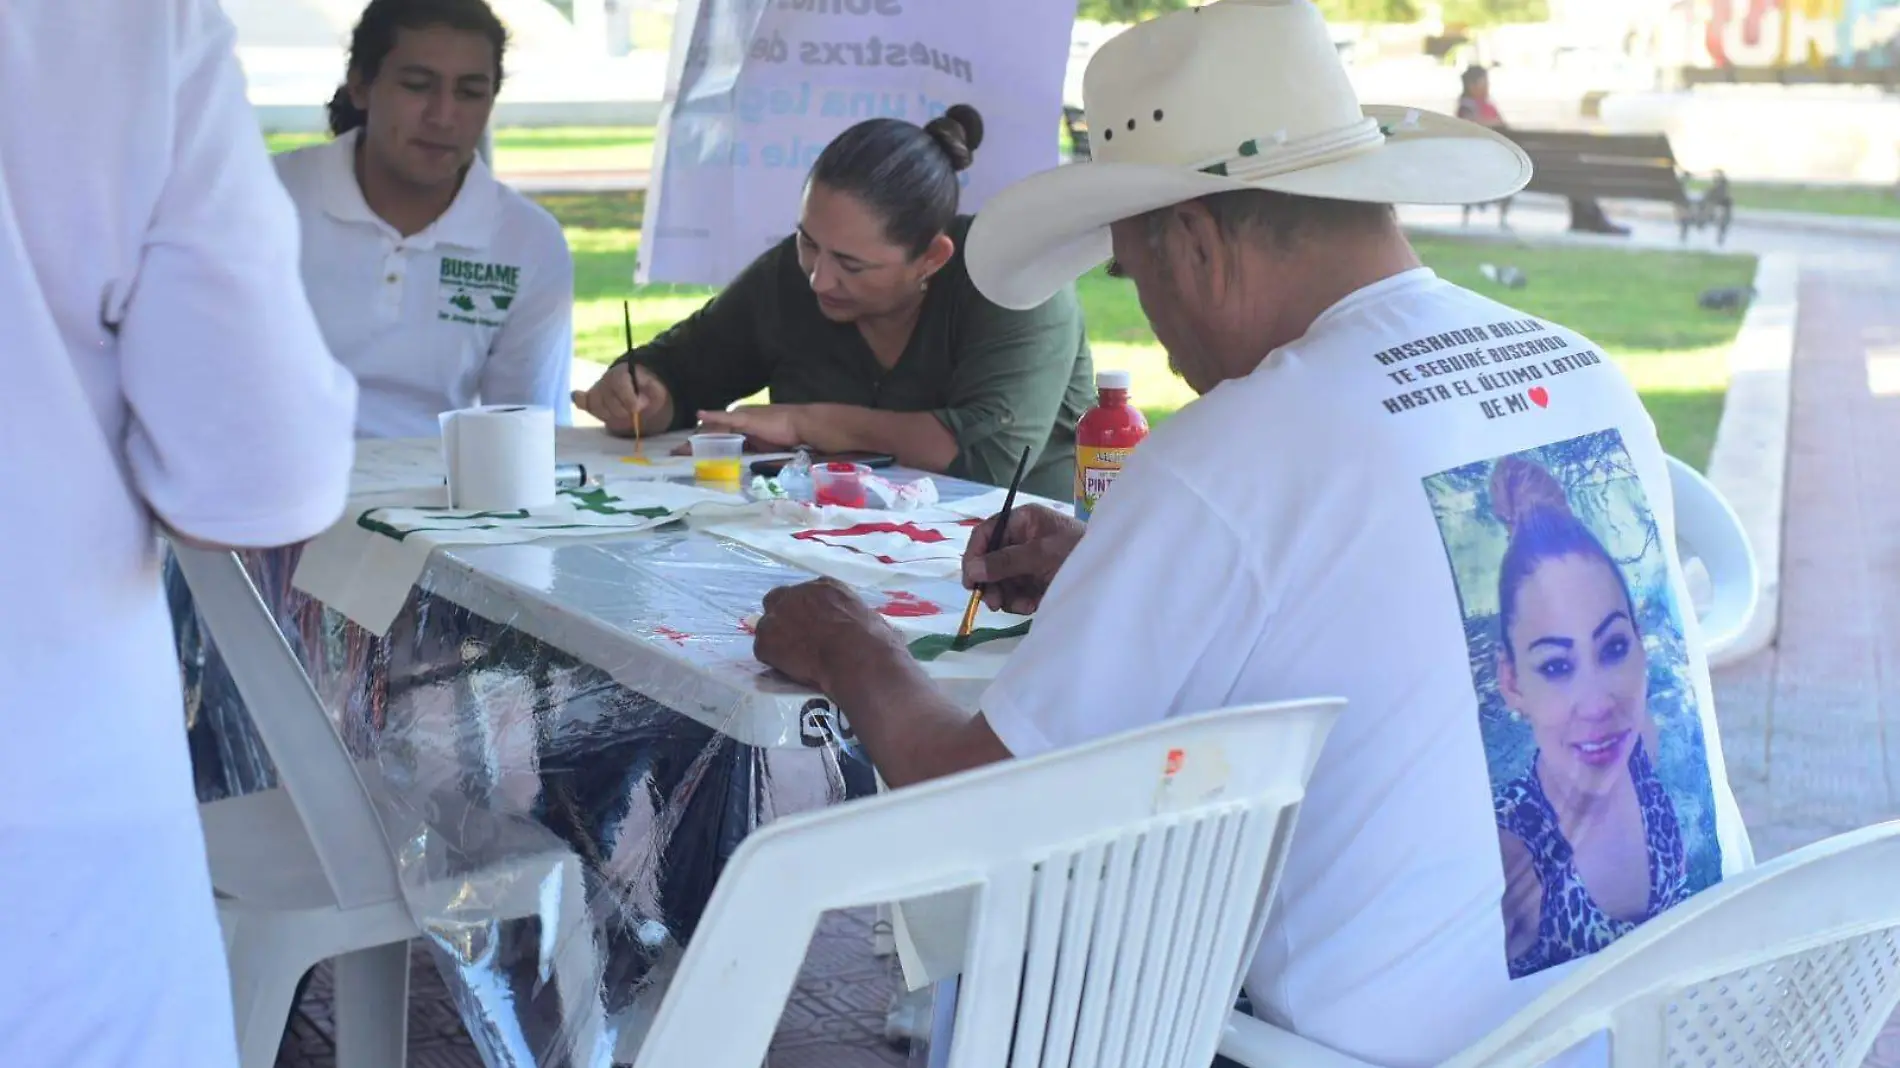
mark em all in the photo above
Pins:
pixel 771 468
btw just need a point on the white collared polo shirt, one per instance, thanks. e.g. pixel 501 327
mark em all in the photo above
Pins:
pixel 475 309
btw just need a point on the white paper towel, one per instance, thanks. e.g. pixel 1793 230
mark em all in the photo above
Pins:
pixel 499 457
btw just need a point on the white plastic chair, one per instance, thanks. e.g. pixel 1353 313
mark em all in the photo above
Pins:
pixel 1794 964
pixel 1707 529
pixel 304 873
pixel 1119 889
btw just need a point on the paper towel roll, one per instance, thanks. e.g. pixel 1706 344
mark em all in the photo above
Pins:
pixel 499 457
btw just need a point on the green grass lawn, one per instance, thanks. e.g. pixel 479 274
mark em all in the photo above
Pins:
pixel 1639 306
pixel 522 150
pixel 525 150
pixel 1873 201
pixel 540 150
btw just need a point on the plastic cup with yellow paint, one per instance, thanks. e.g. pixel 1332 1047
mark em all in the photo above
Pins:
pixel 716 457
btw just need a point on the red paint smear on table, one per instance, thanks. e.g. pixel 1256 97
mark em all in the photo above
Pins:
pixel 908 606
pixel 921 535
pixel 678 637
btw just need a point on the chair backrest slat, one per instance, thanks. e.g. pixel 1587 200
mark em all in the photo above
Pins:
pixel 1187 954
pixel 1119 890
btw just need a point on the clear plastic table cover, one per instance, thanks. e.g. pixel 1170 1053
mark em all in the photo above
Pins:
pixel 521 705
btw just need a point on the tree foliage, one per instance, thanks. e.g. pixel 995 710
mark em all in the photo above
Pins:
pixel 1369 10
pixel 1493 12
pixel 1125 10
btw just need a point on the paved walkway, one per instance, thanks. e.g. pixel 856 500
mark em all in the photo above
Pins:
pixel 834 1019
pixel 1806 724
pixel 1809 726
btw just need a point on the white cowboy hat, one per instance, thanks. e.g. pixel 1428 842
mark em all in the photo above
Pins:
pixel 1239 94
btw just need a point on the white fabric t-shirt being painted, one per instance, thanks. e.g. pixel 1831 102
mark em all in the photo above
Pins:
pixel 477 307
pixel 1458 518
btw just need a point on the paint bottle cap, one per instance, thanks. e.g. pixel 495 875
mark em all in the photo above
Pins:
pixel 1114 379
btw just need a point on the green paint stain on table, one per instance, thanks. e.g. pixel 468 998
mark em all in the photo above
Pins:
pixel 931 646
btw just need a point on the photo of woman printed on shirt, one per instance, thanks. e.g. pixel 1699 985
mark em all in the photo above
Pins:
pixel 1593 741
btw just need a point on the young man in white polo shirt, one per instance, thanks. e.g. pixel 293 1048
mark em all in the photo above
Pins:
pixel 163 367
pixel 1393 490
pixel 436 285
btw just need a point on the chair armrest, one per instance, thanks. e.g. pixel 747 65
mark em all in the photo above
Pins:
pixel 1709 528
pixel 1253 1043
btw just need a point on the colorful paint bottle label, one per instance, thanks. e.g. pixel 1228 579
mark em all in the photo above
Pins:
pixel 1104 437
pixel 1095 470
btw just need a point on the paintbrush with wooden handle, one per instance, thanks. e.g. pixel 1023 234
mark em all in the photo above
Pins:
pixel 997 534
pixel 633 375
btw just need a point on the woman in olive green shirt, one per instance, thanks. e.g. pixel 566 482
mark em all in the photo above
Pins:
pixel 865 327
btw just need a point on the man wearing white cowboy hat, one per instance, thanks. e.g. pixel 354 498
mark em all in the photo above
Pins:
pixel 1528 765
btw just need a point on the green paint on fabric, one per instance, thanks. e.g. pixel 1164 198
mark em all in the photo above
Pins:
pixel 596 501
pixel 600 502
pixel 931 646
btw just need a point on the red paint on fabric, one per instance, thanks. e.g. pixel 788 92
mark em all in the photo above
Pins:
pixel 902 605
pixel 677 637
pixel 921 535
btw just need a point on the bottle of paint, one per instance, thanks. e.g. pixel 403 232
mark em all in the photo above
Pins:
pixel 1106 435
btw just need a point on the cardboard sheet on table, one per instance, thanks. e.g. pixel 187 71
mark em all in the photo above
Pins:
pixel 366 564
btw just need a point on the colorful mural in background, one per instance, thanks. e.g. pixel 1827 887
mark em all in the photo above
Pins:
pixel 1797 33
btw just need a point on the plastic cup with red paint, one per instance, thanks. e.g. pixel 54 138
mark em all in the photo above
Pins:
pixel 839 483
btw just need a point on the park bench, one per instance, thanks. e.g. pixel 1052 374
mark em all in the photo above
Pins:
pixel 1587 167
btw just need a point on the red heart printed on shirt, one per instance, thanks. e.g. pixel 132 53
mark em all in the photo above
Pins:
pixel 1540 396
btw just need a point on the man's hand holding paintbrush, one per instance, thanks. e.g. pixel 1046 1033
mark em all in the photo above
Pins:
pixel 1035 542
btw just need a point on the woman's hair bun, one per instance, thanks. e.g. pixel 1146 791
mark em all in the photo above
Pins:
pixel 1521 489
pixel 959 132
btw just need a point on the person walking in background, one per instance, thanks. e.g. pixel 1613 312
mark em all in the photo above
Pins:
pixel 165 372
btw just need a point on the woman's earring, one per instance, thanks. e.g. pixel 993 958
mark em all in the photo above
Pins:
pixel 923 284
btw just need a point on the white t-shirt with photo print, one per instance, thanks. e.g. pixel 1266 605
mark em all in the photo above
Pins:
pixel 1341 508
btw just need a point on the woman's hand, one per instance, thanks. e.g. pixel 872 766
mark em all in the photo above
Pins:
pixel 772 426
pixel 614 399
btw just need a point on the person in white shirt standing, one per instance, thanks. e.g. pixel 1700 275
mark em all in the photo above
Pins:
pixel 438 286
pixel 1391 489
pixel 164 370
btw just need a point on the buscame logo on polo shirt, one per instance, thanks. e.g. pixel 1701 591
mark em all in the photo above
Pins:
pixel 479 294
